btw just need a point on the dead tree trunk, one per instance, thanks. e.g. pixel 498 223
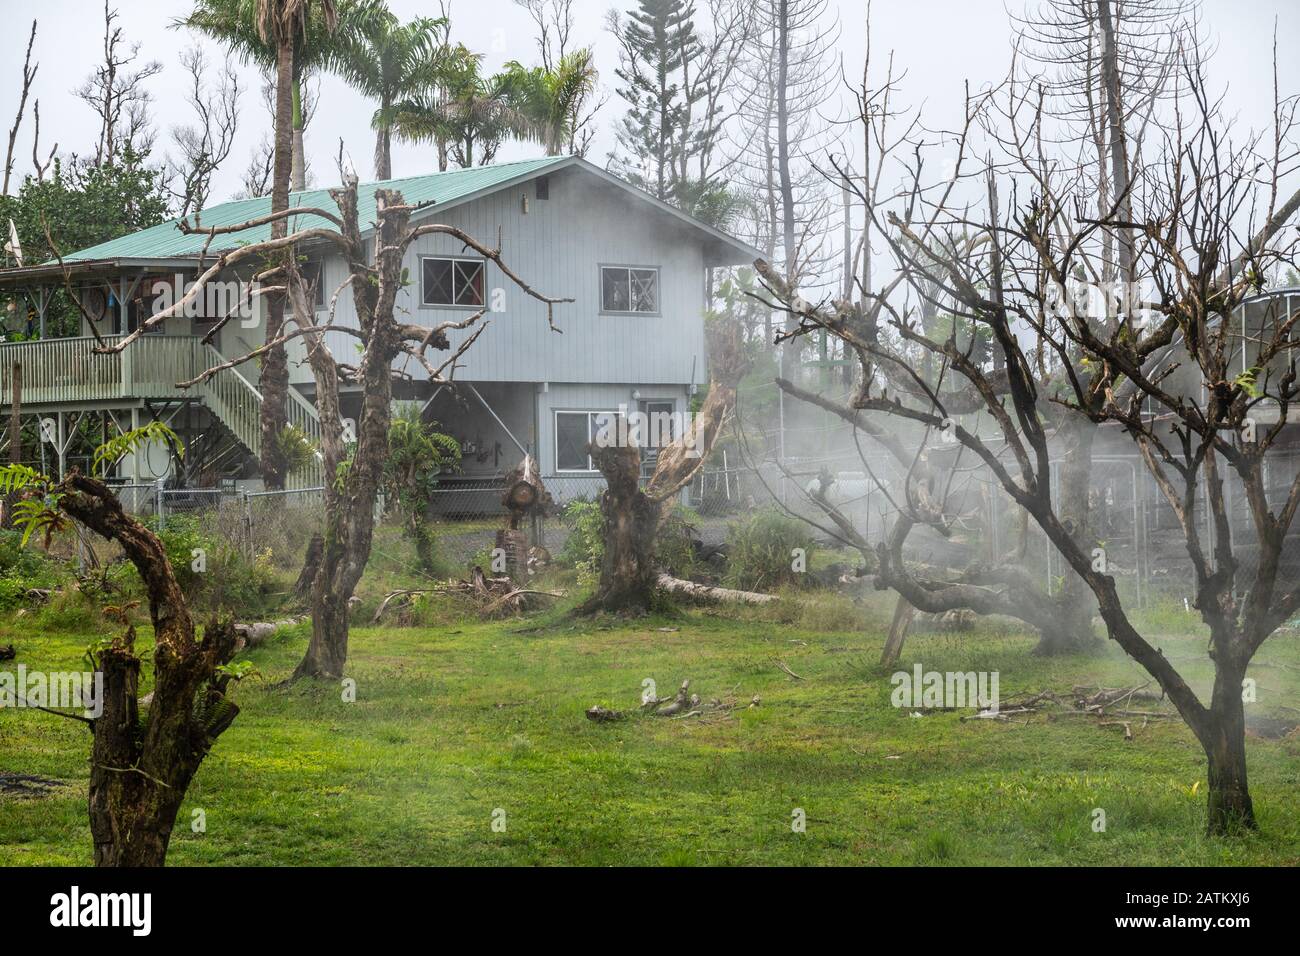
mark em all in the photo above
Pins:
pixel 350 509
pixel 627 572
pixel 1224 740
pixel 632 516
pixel 898 628
pixel 140 771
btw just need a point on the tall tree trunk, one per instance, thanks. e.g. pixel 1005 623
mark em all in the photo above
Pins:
pixel 790 248
pixel 1224 739
pixel 299 165
pixel 274 379
pixel 383 154
pixel 1112 80
pixel 350 509
pixel 1074 632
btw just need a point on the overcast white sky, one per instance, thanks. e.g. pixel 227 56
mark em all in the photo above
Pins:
pixel 941 44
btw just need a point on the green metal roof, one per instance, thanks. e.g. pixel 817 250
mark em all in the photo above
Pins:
pixel 165 241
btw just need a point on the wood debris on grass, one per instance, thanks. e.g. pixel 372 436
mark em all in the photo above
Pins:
pixel 1109 706
pixel 496 596
pixel 786 669
pixel 680 706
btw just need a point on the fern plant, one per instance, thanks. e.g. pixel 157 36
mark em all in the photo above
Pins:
pixel 115 449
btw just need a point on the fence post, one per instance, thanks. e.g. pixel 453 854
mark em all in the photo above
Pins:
pixel 159 505
pixel 248 524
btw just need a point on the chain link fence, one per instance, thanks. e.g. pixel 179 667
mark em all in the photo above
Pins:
pixel 1144 547
pixel 275 525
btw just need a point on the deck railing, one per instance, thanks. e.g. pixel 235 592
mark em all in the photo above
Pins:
pixel 71 371
pixel 67 371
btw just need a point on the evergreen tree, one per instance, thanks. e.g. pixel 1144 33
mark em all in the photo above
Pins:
pixel 659 43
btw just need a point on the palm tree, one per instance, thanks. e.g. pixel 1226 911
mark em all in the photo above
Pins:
pixel 393 62
pixel 552 100
pixel 468 114
pixel 290 38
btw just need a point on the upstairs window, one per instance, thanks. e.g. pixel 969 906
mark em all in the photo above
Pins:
pixel 632 289
pixel 446 281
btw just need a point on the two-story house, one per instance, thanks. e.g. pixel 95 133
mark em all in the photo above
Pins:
pixel 635 267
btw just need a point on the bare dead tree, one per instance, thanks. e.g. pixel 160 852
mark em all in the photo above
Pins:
pixel 29 76
pixel 255 181
pixel 204 145
pixel 714 94
pixel 376 276
pixel 554 22
pixel 39 166
pixel 790 78
pixel 632 515
pixel 1209 224
pixel 116 91
pixel 925 476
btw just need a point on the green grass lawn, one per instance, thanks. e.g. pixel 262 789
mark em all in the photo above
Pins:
pixel 457 721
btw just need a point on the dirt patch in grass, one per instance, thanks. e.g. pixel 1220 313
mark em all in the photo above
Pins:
pixel 1271 728
pixel 27 785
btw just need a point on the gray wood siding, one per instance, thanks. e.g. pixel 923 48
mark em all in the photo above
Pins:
pixel 558 248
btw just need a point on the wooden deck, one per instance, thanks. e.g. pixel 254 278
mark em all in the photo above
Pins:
pixel 70 375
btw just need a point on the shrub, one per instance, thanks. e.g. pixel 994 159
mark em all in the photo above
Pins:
pixel 229 581
pixel 760 551
pixel 22 569
pixel 181 537
pixel 235 584
pixel 17 560
pixel 675 548
pixel 585 547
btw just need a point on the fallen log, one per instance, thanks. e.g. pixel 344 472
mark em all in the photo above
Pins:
pixel 711 594
pixel 255 634
pixel 402 595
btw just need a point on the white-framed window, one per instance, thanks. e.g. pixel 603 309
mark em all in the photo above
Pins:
pixel 449 281
pixel 574 432
pixel 629 289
